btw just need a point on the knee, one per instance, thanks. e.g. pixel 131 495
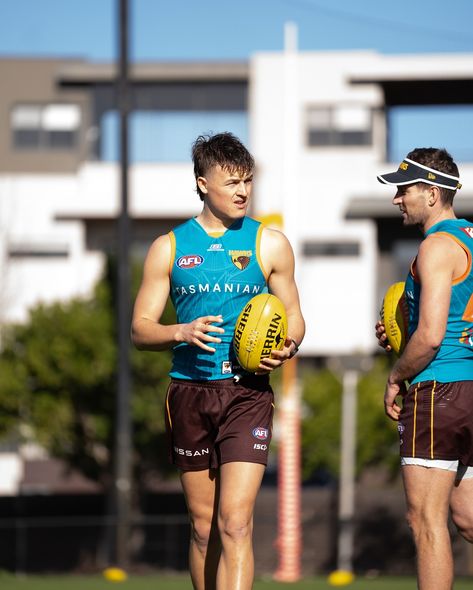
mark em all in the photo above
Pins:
pixel 235 527
pixel 424 525
pixel 412 519
pixel 464 524
pixel 201 529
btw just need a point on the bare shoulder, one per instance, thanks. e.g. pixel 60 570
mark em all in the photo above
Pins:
pixel 276 251
pixel 159 253
pixel 274 239
pixel 437 254
pixel 438 246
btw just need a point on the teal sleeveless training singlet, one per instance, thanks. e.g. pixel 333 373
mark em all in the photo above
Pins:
pixel 454 359
pixel 213 275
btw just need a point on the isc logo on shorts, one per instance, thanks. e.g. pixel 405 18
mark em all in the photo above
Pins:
pixel 260 447
pixel 260 433
pixel 189 261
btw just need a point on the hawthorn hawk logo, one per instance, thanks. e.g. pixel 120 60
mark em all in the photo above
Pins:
pixel 241 258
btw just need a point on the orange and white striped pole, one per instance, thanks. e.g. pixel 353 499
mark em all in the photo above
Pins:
pixel 289 540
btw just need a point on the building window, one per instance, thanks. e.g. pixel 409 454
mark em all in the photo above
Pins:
pixel 40 127
pixel 38 250
pixel 345 125
pixel 311 249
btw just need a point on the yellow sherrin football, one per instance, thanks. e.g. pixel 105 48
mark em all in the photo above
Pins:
pixel 395 317
pixel 260 328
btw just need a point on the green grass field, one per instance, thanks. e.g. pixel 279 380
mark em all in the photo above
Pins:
pixel 9 582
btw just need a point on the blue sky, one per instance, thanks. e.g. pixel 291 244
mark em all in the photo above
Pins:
pixel 213 30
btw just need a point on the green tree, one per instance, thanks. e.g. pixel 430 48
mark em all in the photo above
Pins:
pixel 321 422
pixel 58 384
pixel 378 441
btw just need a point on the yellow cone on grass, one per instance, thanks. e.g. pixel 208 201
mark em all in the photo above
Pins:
pixel 341 578
pixel 115 574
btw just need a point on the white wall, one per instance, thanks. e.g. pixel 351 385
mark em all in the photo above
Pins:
pixel 43 212
pixel 337 293
pixel 28 208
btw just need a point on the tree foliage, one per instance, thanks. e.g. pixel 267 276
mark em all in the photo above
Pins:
pixel 321 422
pixel 58 380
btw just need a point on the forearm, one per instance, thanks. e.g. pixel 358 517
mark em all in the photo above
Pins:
pixel 417 355
pixel 149 335
pixel 296 328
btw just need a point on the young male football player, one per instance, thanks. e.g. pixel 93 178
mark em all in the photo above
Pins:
pixel 219 423
pixel 436 420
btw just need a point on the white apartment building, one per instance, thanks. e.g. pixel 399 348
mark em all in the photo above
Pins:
pixel 317 125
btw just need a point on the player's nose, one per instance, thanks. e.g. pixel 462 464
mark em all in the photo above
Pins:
pixel 397 198
pixel 242 189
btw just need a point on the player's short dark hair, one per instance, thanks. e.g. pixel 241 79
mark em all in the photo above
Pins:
pixel 224 149
pixel 438 159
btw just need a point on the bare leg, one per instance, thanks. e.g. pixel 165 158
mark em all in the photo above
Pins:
pixel 461 505
pixel 428 494
pixel 239 483
pixel 201 492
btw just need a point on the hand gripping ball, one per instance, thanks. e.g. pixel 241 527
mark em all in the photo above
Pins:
pixel 260 328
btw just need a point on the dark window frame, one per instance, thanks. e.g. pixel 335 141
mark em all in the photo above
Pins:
pixel 330 136
pixel 43 139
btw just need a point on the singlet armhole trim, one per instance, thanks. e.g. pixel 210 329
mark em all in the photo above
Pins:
pixel 172 239
pixel 462 277
pixel 413 270
pixel 258 251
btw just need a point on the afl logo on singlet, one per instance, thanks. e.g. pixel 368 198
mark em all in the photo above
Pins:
pixel 189 261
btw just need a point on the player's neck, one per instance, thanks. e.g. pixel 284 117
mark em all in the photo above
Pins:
pixel 438 216
pixel 211 223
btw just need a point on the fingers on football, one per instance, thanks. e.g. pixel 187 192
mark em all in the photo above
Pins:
pixel 382 337
pixel 383 342
pixel 271 363
pixel 280 355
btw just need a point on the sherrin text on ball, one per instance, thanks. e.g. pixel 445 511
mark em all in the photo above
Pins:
pixel 260 328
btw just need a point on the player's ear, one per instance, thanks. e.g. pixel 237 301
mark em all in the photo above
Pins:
pixel 434 195
pixel 202 184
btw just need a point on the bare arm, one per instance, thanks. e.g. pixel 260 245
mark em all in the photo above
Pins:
pixel 147 331
pixel 278 260
pixel 436 267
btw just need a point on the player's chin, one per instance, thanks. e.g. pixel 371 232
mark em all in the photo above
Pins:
pixel 239 213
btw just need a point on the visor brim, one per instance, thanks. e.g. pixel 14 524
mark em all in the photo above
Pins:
pixel 395 178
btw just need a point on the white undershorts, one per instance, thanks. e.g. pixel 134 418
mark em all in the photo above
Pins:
pixel 462 471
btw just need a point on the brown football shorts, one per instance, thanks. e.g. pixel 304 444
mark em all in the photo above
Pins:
pixel 214 422
pixel 436 421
